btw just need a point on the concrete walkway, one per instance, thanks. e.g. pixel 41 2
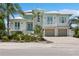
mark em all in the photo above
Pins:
pixel 12 45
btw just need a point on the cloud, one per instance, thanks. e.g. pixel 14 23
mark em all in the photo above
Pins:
pixel 66 11
pixel 73 11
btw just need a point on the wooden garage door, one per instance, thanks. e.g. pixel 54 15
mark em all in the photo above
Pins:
pixel 62 32
pixel 49 32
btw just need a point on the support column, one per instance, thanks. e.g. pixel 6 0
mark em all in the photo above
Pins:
pixel 56 32
pixel 44 33
pixel 70 32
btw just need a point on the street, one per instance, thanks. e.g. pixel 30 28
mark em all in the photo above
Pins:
pixel 40 52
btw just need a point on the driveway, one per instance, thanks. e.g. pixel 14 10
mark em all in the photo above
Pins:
pixel 63 39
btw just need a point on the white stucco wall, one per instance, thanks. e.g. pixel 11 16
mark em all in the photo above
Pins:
pixel 56 21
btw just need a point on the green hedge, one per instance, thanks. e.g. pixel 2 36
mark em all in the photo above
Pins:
pixel 20 37
pixel 76 33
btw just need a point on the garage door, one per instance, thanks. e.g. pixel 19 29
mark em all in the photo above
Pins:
pixel 62 32
pixel 49 32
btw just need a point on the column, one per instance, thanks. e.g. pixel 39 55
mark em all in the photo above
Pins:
pixel 70 32
pixel 56 32
pixel 43 32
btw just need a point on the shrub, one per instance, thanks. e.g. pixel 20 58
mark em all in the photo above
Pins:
pixel 2 33
pixel 33 38
pixel 17 36
pixel 27 38
pixel 76 33
pixel 17 32
pixel 20 37
pixel 14 35
pixel 5 39
pixel 10 37
pixel 38 31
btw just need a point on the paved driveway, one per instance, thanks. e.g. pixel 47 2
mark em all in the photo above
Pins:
pixel 61 46
pixel 63 39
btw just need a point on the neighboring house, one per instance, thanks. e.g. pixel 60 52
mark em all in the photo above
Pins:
pixel 54 23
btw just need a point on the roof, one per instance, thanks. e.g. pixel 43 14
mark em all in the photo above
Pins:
pixel 18 17
pixel 58 12
pixel 64 11
pixel 28 17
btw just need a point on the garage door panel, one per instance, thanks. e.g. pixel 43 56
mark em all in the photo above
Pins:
pixel 62 32
pixel 49 32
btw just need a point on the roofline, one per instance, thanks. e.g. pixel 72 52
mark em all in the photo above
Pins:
pixel 60 13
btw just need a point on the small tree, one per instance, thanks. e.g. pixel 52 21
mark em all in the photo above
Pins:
pixel 38 31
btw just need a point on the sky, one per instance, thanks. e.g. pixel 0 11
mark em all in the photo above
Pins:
pixel 49 6
pixel 67 7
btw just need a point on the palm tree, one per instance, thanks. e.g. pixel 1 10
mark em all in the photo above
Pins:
pixel 38 31
pixel 37 13
pixel 1 11
pixel 9 10
pixel 2 24
pixel 75 21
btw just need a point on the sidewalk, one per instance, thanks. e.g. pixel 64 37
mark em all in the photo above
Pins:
pixel 63 40
pixel 13 45
pixel 57 42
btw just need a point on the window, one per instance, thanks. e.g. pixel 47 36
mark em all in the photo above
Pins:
pixel 38 18
pixel 28 16
pixel 29 26
pixel 62 19
pixel 54 17
pixel 17 25
pixel 49 20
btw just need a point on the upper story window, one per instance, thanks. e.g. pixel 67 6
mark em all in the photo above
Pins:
pixel 17 25
pixel 29 26
pixel 28 16
pixel 62 19
pixel 49 20
pixel 38 18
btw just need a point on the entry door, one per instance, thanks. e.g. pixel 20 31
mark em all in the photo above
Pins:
pixel 29 26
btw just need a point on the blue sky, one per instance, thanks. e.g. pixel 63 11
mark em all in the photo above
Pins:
pixel 49 6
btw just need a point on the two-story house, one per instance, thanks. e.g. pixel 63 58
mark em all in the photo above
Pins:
pixel 54 23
